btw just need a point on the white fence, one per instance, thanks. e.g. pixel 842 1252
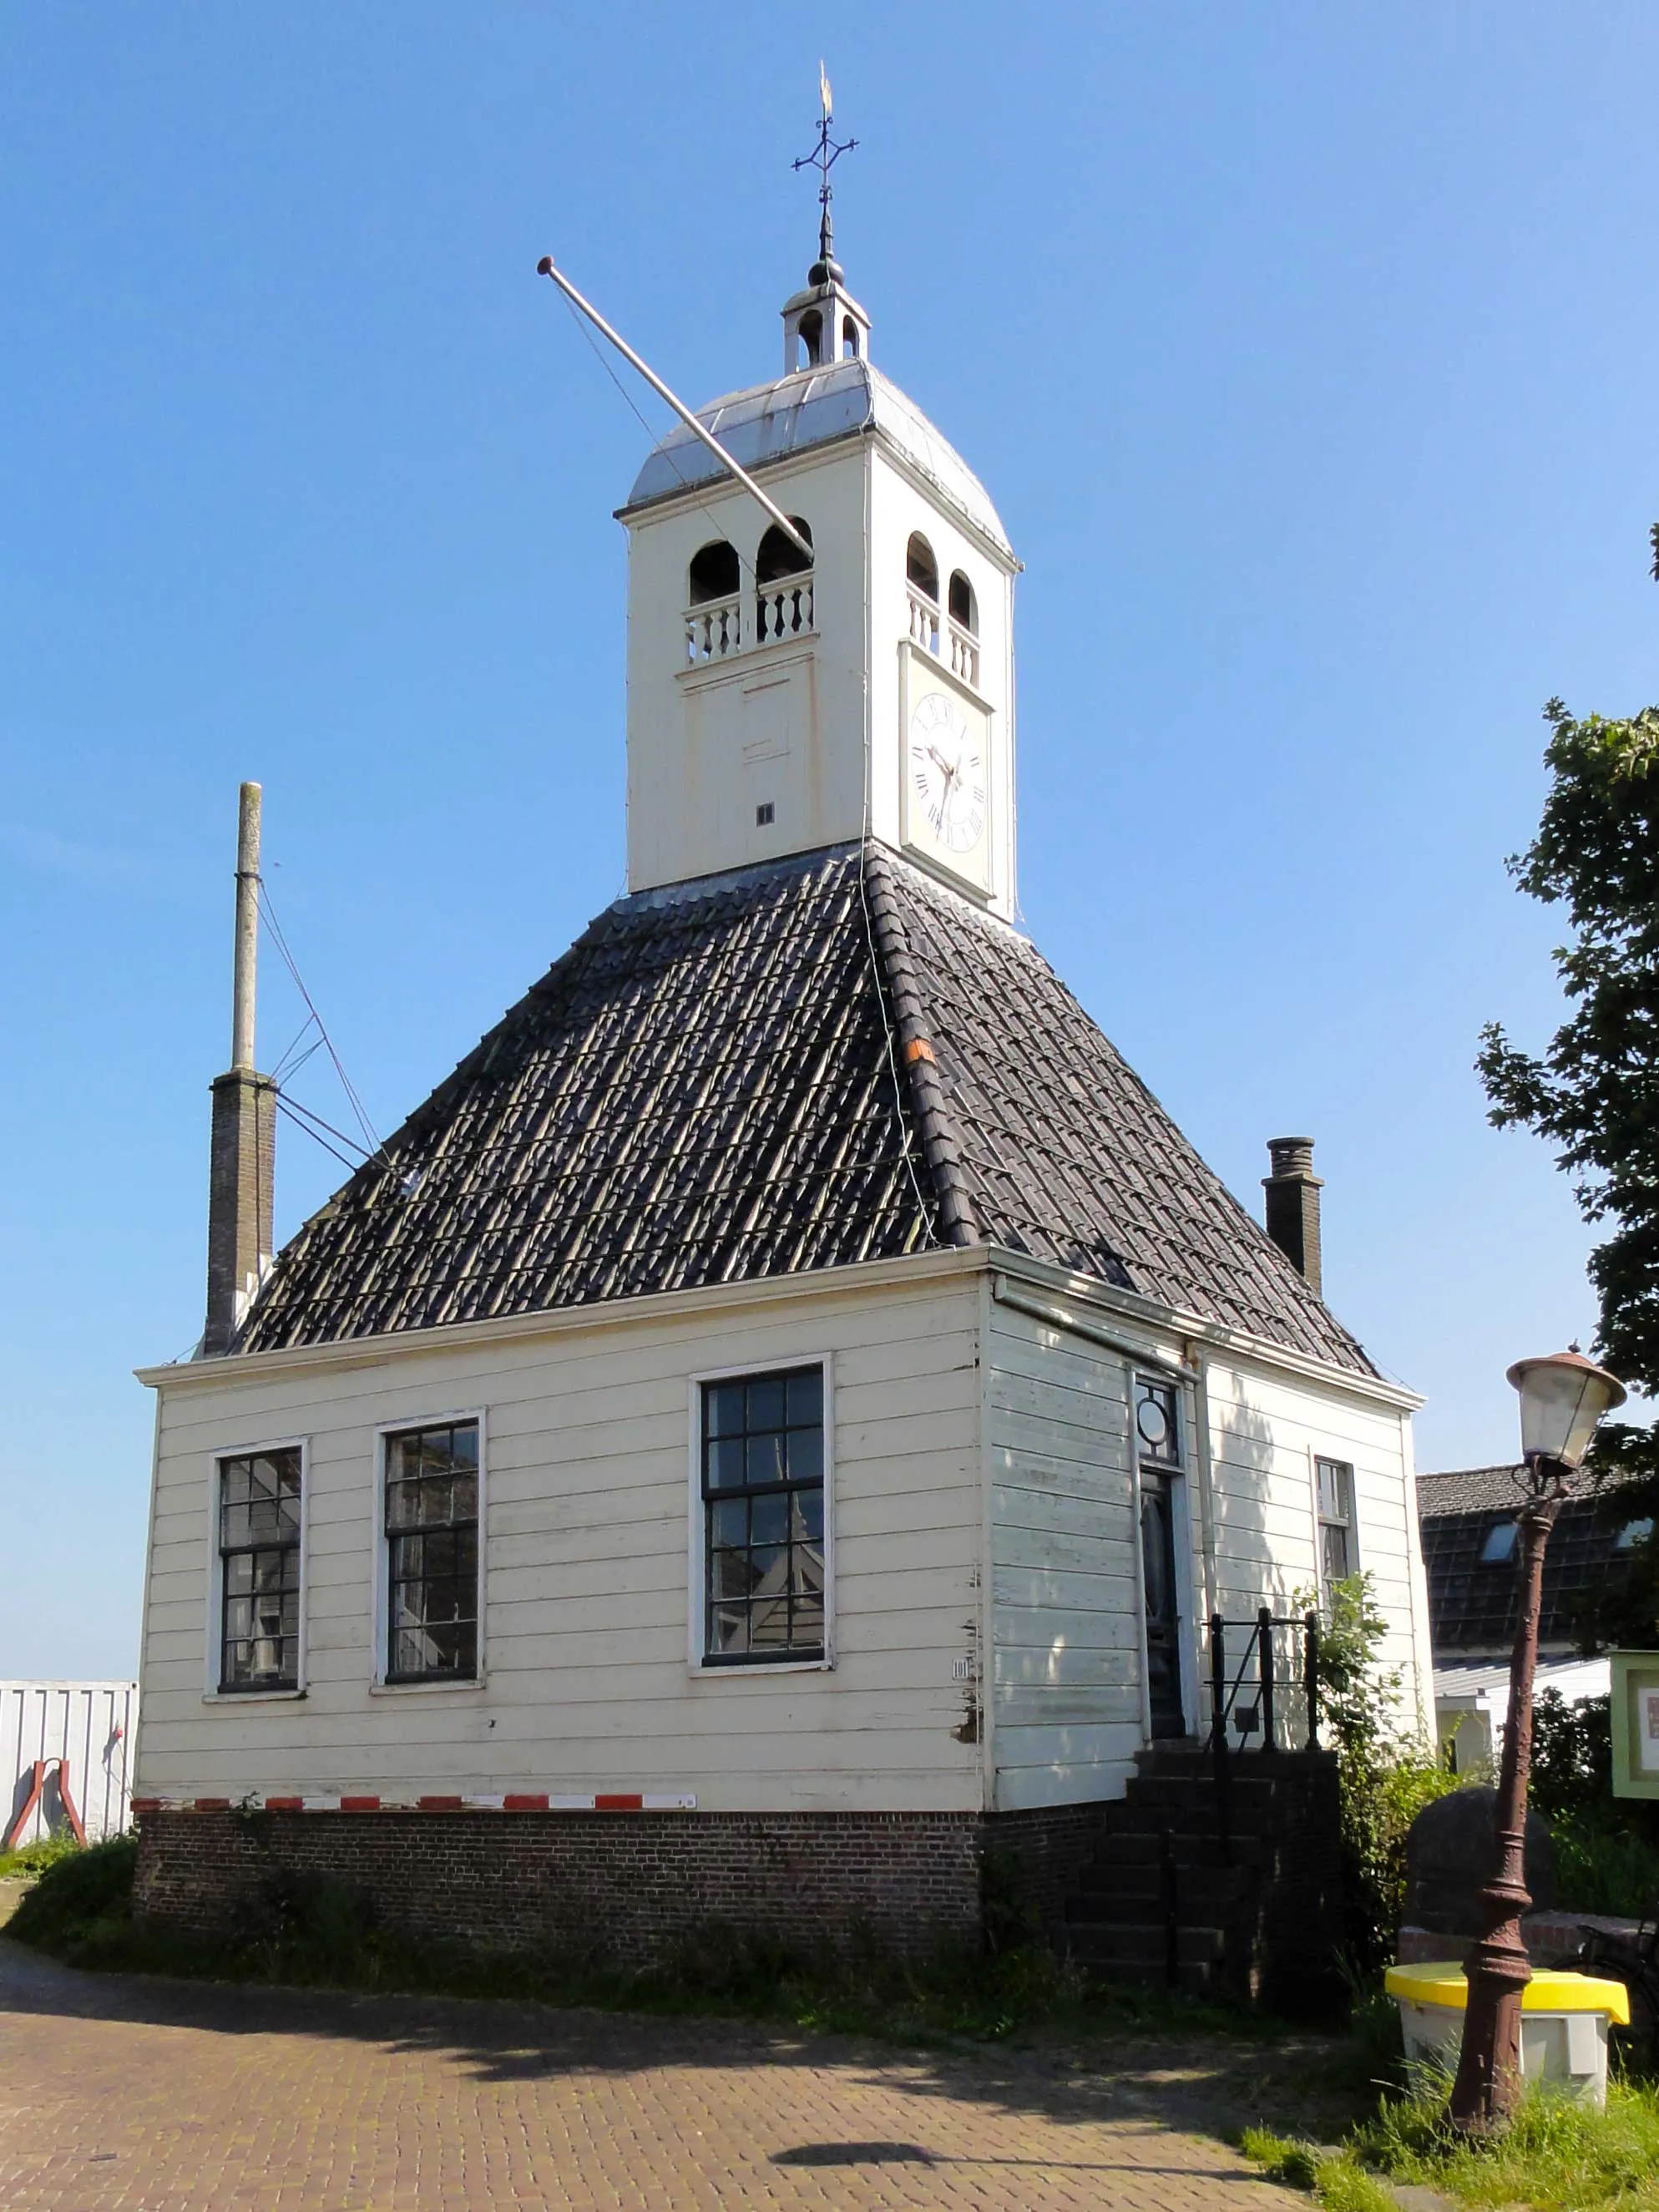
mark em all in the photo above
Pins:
pixel 90 1726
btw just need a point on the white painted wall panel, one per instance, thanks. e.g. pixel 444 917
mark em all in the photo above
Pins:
pixel 588 1685
pixel 1065 1654
pixel 92 1725
pixel 1267 1429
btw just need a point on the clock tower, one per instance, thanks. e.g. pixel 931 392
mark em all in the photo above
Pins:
pixel 778 704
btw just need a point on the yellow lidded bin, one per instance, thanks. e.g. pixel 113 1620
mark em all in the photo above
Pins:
pixel 1565 2020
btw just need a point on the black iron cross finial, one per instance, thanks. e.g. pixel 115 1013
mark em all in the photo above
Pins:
pixel 824 158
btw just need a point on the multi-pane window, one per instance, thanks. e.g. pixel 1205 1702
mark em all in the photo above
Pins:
pixel 432 1553
pixel 259 1570
pixel 762 1490
pixel 1334 1483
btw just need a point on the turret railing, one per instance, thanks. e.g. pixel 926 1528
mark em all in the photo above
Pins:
pixel 924 622
pixel 713 630
pixel 783 609
pixel 964 654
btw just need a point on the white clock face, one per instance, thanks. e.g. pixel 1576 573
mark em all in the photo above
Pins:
pixel 947 773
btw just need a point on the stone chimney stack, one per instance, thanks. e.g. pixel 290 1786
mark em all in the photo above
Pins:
pixel 1293 1191
pixel 240 1179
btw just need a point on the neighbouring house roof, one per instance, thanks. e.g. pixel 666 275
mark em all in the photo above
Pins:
pixel 827 1060
pixel 1473 1603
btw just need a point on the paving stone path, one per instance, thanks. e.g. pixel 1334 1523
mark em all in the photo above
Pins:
pixel 127 2095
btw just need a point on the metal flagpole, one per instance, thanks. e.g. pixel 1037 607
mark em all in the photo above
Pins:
pixel 546 267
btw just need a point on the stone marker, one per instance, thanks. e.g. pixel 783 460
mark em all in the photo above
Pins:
pixel 1448 1856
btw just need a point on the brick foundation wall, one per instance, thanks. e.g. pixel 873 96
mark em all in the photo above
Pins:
pixel 623 1882
pixel 1047 1848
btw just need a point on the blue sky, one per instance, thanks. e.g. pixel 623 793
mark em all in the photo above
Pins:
pixel 1307 352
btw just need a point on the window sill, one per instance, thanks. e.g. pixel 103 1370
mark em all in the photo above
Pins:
pixel 251 1697
pixel 427 1689
pixel 704 1668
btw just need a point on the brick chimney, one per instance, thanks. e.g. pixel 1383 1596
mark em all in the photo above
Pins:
pixel 240 1180
pixel 1293 1191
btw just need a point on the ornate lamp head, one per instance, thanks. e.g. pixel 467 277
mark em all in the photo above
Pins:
pixel 1563 1397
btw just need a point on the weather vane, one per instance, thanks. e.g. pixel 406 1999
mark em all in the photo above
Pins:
pixel 824 158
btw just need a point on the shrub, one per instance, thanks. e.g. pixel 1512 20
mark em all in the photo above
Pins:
pixel 35 1858
pixel 77 1890
pixel 1386 1773
pixel 1606 1849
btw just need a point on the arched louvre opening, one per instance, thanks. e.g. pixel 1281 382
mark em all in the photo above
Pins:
pixel 714 596
pixel 783 585
pixel 964 628
pixel 715 572
pixel 922 577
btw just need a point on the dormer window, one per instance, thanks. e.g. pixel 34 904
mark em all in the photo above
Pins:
pixel 964 629
pixel 922 577
pixel 714 602
pixel 783 585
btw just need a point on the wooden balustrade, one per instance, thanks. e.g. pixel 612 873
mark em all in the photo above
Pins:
pixel 924 622
pixel 713 631
pixel 783 609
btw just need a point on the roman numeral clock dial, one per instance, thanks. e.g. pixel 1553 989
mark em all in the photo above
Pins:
pixel 945 769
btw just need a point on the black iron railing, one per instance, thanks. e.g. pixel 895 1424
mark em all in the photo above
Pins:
pixel 1268 1699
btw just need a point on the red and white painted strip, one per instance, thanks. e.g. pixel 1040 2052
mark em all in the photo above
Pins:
pixel 511 1800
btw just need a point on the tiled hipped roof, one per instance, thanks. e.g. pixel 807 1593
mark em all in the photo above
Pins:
pixel 828 1060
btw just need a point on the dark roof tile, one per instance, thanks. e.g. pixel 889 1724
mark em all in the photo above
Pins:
pixel 830 1061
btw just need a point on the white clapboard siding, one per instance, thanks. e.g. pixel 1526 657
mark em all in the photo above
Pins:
pixel 1065 1662
pixel 589 1604
pixel 90 1724
pixel 1267 1429
pixel 987 1567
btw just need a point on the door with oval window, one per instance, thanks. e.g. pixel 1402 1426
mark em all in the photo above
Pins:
pixel 1157 1442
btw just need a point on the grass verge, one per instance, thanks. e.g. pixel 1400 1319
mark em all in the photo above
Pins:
pixel 1559 2156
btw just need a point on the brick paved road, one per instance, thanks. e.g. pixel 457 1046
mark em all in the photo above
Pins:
pixel 127 2096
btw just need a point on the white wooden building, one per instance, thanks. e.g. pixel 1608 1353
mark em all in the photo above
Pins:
pixel 789 1402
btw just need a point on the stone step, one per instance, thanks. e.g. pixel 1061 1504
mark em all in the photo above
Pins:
pixel 1137 1893
pixel 1193 1847
pixel 1158 1805
pixel 1137 1946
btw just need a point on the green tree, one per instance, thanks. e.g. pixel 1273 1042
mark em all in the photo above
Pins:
pixel 1594 1092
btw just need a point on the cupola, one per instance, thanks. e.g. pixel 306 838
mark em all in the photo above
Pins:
pixel 823 323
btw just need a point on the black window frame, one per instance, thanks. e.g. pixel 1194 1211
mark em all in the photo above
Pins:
pixel 1348 1523
pixel 284 1546
pixel 720 1498
pixel 1168 1459
pixel 404 1567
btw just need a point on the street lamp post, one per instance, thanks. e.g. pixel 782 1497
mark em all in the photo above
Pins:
pixel 1562 1398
